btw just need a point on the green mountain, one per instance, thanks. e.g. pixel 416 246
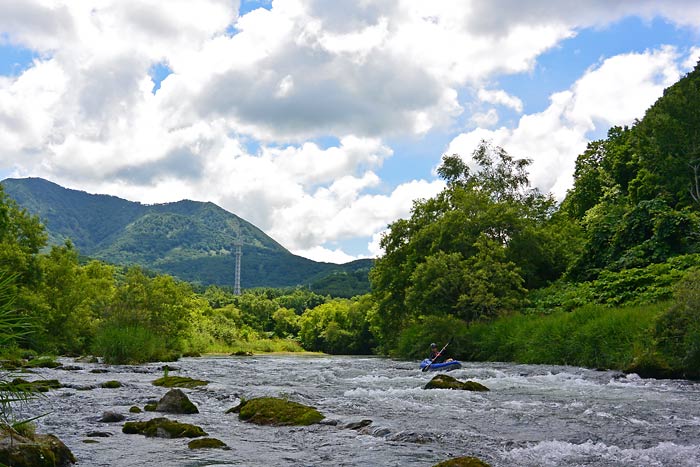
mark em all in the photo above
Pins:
pixel 191 240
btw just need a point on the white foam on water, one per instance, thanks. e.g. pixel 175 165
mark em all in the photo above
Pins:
pixel 561 453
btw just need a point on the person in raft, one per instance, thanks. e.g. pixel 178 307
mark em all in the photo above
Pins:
pixel 435 355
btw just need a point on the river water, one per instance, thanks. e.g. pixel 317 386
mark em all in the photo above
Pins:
pixel 534 415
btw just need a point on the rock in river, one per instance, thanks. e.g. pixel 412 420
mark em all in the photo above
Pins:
pixel 448 382
pixel 163 428
pixel 35 451
pixel 277 412
pixel 175 401
pixel 463 462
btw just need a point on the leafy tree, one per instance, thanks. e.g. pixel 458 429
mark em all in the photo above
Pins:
pixel 635 193
pixel 339 326
pixel 257 311
pixel 286 322
pixel 470 250
pixel 21 238
pixel 149 318
pixel 72 295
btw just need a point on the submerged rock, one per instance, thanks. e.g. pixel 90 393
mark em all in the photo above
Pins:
pixel 22 385
pixel 176 401
pixel 87 359
pixel 43 362
pixel 463 462
pixel 135 409
pixel 277 412
pixel 35 451
pixel 358 425
pixel 111 384
pixel 179 382
pixel 111 417
pixel 163 428
pixel 448 382
pixel 204 443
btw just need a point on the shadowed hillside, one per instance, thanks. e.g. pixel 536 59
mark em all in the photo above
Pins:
pixel 191 240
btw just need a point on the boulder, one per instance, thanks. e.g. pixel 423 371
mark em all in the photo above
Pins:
pixel 277 412
pixel 34 451
pixel 163 428
pixel 463 462
pixel 176 401
pixel 448 382
pixel 111 417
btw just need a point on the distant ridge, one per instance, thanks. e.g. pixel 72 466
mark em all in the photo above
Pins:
pixel 191 240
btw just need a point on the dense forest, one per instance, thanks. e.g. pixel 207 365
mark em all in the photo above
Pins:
pixel 607 278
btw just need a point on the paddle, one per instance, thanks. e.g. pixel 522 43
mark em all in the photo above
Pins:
pixel 436 356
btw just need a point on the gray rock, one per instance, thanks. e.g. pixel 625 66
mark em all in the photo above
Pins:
pixel 175 401
pixel 111 417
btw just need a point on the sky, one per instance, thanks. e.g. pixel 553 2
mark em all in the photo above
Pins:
pixel 321 121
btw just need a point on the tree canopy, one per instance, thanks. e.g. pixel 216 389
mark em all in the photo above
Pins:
pixel 474 249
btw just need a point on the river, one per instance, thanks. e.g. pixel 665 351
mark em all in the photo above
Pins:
pixel 534 415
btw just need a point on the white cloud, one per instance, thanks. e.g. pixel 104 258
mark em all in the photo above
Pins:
pixel 616 92
pixel 485 119
pixel 326 255
pixel 693 59
pixel 239 120
pixel 501 97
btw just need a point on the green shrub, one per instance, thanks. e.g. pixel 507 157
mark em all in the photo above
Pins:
pixel 677 330
pixel 121 345
pixel 594 336
pixel 634 286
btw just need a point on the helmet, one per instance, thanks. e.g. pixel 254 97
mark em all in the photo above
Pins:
pixel 433 345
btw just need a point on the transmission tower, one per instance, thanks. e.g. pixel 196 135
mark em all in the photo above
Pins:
pixel 239 253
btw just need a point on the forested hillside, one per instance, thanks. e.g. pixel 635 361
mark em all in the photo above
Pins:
pixel 193 241
pixel 489 246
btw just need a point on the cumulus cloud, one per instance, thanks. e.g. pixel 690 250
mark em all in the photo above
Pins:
pixel 239 120
pixel 616 92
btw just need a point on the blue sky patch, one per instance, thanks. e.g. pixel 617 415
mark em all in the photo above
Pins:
pixel 14 60
pixel 249 5
pixel 559 68
pixel 158 73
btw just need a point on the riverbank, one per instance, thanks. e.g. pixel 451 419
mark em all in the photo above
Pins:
pixel 659 340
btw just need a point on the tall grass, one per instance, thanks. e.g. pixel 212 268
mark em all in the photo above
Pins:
pixel 130 344
pixel 253 345
pixel 593 336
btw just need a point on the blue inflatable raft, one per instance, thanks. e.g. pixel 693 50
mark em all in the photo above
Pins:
pixel 444 366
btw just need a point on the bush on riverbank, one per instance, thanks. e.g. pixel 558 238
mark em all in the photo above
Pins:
pixel 130 345
pixel 594 336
